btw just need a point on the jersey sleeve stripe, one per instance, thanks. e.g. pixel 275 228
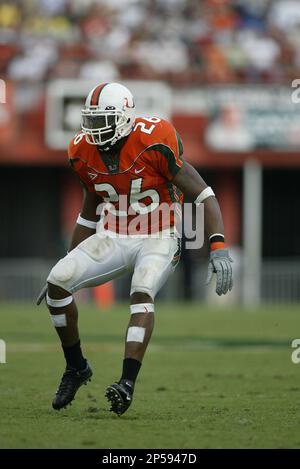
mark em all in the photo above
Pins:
pixel 166 151
pixel 180 146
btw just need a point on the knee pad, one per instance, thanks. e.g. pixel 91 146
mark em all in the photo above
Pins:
pixel 143 279
pixel 66 272
pixel 62 271
pixel 146 277
pixel 156 262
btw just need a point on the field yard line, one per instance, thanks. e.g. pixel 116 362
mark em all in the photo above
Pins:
pixel 25 347
pixel 40 347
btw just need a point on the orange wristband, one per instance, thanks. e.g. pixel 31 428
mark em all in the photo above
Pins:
pixel 217 245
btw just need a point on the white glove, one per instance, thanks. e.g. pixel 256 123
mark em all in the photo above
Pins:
pixel 220 264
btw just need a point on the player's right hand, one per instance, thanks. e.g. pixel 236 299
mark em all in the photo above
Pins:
pixel 42 295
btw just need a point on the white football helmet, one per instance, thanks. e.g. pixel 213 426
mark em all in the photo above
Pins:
pixel 108 115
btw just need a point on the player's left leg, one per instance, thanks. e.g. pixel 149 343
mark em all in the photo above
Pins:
pixel 137 338
pixel 155 262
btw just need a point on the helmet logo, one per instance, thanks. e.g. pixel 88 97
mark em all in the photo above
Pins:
pixel 110 108
pixel 126 104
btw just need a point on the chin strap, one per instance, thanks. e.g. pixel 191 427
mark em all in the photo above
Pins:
pixel 111 144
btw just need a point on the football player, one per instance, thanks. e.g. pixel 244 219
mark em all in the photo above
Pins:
pixel 118 157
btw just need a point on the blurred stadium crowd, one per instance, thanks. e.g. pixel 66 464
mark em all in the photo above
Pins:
pixel 186 42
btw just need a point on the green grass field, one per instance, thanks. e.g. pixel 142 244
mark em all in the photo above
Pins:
pixel 212 378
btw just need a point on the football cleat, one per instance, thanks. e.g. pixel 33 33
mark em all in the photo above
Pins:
pixel 71 381
pixel 120 396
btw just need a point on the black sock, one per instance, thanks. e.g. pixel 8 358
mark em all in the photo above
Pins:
pixel 131 368
pixel 74 357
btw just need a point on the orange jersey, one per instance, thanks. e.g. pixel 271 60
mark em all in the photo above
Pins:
pixel 138 180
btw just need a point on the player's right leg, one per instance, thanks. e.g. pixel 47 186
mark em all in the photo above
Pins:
pixel 95 261
pixel 64 316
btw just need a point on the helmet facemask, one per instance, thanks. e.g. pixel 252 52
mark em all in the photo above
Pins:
pixel 104 127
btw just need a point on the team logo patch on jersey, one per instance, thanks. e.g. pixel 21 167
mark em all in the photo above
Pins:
pixel 92 176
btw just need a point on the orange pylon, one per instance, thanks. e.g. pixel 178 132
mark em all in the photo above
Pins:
pixel 104 295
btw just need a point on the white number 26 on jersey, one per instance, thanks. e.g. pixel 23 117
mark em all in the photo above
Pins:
pixel 135 196
pixel 144 127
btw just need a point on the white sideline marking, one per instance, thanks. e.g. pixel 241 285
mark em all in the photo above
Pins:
pixel 2 351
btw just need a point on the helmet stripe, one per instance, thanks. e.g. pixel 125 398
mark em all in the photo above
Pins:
pixel 96 94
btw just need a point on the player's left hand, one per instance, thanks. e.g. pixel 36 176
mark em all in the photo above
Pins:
pixel 220 264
